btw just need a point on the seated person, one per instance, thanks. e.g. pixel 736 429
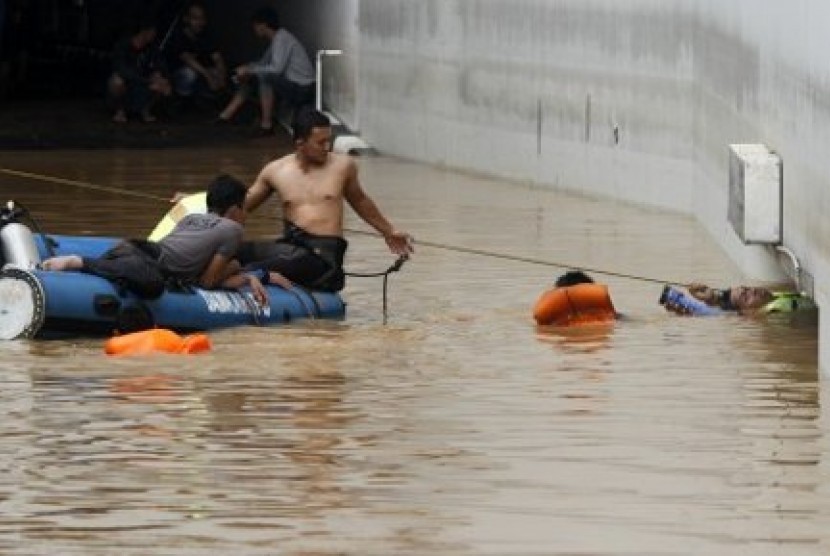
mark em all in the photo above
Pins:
pixel 193 59
pixel 745 300
pixel 285 69
pixel 575 299
pixel 314 185
pixel 200 249
pixel 136 82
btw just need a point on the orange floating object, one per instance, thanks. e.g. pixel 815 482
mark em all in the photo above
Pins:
pixel 156 340
pixel 579 304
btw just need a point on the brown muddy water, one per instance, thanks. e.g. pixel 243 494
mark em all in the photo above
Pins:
pixel 459 428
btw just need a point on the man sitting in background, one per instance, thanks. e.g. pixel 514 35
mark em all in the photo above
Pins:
pixel 195 63
pixel 136 81
pixel 284 70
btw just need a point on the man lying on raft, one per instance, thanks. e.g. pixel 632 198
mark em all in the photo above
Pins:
pixel 575 299
pixel 744 300
pixel 200 250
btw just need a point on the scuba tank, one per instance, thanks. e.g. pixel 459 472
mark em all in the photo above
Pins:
pixel 17 243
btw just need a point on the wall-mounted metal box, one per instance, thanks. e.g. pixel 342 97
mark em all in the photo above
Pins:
pixel 755 193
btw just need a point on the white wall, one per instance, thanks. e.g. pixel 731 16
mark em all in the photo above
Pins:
pixel 531 89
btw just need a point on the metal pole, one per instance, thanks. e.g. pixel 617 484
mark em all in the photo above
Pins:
pixel 319 71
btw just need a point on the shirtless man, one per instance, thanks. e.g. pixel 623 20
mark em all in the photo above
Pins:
pixel 312 184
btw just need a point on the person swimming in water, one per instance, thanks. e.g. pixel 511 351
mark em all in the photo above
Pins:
pixel 745 300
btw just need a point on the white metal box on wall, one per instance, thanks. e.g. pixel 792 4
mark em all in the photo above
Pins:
pixel 755 193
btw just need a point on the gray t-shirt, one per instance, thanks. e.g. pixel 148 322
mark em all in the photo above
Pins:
pixel 285 56
pixel 188 249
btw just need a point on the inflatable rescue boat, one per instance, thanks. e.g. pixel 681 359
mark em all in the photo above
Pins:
pixel 39 303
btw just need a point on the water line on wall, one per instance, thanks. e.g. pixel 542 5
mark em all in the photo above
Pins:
pixel 588 118
pixel 539 126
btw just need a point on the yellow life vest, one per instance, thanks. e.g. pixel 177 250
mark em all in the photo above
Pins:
pixel 192 204
pixel 788 302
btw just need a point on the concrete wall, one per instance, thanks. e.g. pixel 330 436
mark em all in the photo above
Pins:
pixel 533 90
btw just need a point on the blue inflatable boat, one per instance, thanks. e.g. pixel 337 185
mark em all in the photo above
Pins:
pixel 38 303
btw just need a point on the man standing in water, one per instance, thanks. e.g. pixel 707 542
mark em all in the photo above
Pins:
pixel 312 184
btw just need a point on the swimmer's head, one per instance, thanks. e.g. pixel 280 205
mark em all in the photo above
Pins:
pixel 745 298
pixel 572 278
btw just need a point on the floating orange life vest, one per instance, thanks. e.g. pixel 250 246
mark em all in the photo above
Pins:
pixel 579 304
pixel 157 340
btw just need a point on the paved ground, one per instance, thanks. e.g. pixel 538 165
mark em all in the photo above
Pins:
pixel 86 123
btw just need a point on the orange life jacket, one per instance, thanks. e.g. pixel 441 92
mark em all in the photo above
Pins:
pixel 579 304
pixel 156 340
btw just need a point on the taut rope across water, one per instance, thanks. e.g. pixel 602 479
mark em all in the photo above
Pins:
pixel 434 245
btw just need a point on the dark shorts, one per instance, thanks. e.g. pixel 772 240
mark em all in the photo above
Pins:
pixel 314 262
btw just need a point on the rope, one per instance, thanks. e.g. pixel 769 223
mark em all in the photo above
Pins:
pixel 434 245
pixel 555 264
pixel 82 184
pixel 394 267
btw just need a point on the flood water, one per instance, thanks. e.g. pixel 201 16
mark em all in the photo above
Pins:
pixel 458 428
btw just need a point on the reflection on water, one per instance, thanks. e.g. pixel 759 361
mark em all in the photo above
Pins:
pixel 459 428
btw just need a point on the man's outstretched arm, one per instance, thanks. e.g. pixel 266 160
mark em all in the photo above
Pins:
pixel 400 243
